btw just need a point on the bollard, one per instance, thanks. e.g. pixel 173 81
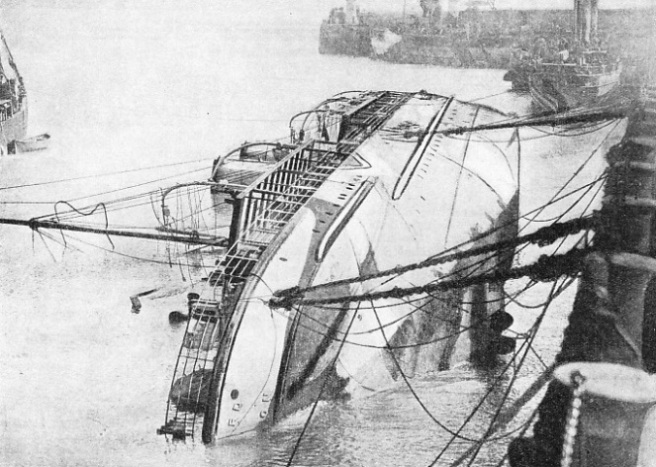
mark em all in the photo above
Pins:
pixel 613 401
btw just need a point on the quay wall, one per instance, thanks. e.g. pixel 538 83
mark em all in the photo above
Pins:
pixel 481 39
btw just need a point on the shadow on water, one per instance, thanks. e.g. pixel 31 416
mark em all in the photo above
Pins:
pixel 387 428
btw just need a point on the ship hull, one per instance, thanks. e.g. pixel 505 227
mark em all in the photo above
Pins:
pixel 559 92
pixel 13 129
pixel 345 39
pixel 385 206
pixel 13 101
pixel 446 49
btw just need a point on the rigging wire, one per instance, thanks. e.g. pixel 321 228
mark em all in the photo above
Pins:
pixel 125 255
pixel 477 407
pixel 417 308
pixel 481 262
pixel 87 177
pixel 318 398
pixel 527 425
pixel 563 239
pixel 581 167
pixel 555 291
pixel 308 316
pixel 132 186
pixel 494 420
pixel 445 255
pixel 418 399
pixel 485 259
pixel 296 294
pixel 405 379
pixel 526 245
pixel 563 132
pixel 144 259
pixel 489 96
pixel 460 174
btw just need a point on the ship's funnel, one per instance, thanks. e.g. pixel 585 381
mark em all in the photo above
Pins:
pixel 586 14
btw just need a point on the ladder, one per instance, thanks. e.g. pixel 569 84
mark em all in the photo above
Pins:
pixel 188 395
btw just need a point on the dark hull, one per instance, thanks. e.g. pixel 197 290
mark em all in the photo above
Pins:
pixel 552 92
pixel 13 129
pixel 345 39
pixel 451 49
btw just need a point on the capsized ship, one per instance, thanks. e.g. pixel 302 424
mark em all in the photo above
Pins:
pixel 13 101
pixel 370 182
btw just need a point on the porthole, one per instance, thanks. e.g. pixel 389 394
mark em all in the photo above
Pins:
pixel 234 394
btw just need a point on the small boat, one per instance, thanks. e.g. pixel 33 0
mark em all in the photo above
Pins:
pixel 13 100
pixel 34 143
pixel 245 163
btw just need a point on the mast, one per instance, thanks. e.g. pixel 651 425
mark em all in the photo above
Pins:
pixel 168 235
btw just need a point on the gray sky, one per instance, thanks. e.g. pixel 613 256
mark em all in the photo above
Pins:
pixel 310 13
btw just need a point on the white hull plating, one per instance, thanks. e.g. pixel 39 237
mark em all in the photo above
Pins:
pixel 411 205
pixel 404 194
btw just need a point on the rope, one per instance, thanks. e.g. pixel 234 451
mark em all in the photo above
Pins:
pixel 480 403
pixel 528 395
pixel 460 331
pixel 84 214
pixel 542 237
pixel 484 260
pixel 455 194
pixel 323 386
pixel 545 269
pixel 407 383
pixel 86 177
pixel 498 421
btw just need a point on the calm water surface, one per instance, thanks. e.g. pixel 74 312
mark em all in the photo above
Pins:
pixel 122 87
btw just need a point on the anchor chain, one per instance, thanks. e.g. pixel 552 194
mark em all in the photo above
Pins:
pixel 572 424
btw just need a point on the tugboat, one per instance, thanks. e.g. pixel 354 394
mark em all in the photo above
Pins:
pixel 13 101
pixel 576 79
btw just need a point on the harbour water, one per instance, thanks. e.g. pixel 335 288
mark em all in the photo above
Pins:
pixel 124 87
